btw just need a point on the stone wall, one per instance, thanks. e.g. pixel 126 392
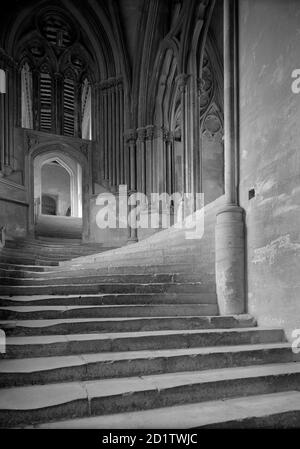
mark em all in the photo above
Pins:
pixel 270 158
pixel 13 209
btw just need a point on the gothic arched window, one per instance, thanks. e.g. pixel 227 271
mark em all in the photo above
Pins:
pixel 54 98
pixel 69 106
pixel 46 96
pixel 26 88
pixel 86 110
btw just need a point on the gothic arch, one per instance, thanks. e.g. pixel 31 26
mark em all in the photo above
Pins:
pixel 64 151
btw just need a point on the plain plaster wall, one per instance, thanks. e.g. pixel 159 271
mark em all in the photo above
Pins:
pixel 269 46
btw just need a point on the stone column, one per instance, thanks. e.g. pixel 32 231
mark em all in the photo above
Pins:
pixel 113 135
pixel 110 134
pixel 105 133
pixel 131 142
pixel 141 140
pixel 182 81
pixel 121 124
pixel 149 160
pixel 169 167
pixel 230 234
pixel 118 131
pixel 2 120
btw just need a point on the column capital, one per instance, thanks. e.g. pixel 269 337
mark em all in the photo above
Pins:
pixel 141 134
pixel 130 136
pixel 181 81
pixel 150 132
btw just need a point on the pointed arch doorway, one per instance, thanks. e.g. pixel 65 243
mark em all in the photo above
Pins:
pixel 57 196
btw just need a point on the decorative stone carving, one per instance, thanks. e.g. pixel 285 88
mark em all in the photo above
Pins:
pixel 150 132
pixel 32 141
pixel 206 86
pixel 212 125
pixel 130 136
pixel 141 134
pixel 111 83
pixel 84 148
pixel 181 81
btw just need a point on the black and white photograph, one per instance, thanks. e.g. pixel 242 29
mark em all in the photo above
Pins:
pixel 149 218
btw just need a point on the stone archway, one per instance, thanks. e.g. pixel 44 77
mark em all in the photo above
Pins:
pixel 74 155
pixel 72 167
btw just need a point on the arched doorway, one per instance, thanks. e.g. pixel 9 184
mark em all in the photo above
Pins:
pixel 57 195
pixel 56 190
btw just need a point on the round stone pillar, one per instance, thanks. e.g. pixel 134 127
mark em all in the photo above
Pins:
pixel 230 260
pixel 230 232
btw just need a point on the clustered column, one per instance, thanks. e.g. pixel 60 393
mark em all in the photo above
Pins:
pixel 7 112
pixel 112 129
pixel 131 138
pixel 141 159
pixel 182 82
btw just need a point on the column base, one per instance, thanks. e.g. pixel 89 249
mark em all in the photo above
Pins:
pixel 230 260
pixel 131 241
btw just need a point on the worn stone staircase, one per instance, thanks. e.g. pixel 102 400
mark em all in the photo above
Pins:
pixel 44 252
pixel 131 338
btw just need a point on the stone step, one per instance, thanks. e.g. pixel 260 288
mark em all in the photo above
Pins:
pixel 103 311
pixel 52 246
pixel 146 256
pixel 80 326
pixel 37 404
pixel 59 345
pixel 27 261
pixel 79 270
pixel 195 252
pixel 183 266
pixel 45 254
pixel 24 268
pixel 70 289
pixel 157 278
pixel 89 279
pixel 275 410
pixel 114 299
pixel 110 365
pixel 15 277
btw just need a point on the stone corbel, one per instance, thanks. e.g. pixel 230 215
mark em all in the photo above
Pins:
pixel 150 132
pixel 182 81
pixel 141 134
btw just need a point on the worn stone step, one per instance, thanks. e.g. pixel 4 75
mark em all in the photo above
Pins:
pixel 27 261
pixel 107 299
pixel 145 256
pixel 144 324
pixel 89 279
pixel 40 245
pixel 103 311
pixel 15 277
pixel 271 411
pixel 196 287
pixel 64 278
pixel 186 270
pixel 59 345
pixel 26 268
pixel 146 266
pixel 45 370
pixel 275 410
pixel 47 255
pixel 37 404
